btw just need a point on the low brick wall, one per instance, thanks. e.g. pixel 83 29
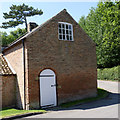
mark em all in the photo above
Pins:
pixel 8 91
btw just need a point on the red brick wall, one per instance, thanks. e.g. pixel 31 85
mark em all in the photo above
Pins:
pixel 74 62
pixel 8 91
pixel 15 57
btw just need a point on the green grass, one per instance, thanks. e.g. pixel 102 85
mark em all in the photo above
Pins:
pixel 13 112
pixel 100 94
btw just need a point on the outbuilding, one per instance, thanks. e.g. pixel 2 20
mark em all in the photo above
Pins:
pixel 54 63
pixel 7 84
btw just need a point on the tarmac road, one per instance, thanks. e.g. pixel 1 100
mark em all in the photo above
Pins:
pixel 105 108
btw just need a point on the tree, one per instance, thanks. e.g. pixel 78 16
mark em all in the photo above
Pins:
pixel 18 15
pixel 103 25
pixel 3 37
pixel 7 39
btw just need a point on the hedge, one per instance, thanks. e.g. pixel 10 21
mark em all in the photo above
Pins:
pixel 109 73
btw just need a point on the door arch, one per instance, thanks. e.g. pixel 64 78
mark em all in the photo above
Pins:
pixel 47 88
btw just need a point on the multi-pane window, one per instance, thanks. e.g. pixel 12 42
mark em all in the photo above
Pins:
pixel 65 31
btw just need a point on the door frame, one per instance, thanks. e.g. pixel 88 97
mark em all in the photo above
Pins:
pixel 56 86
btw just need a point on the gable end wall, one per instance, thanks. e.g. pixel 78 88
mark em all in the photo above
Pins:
pixel 74 62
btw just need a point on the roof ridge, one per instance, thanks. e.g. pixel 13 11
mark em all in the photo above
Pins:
pixel 18 38
pixel 34 30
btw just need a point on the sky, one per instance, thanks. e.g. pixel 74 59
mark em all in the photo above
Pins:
pixel 50 9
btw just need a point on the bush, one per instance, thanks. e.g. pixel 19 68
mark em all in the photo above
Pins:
pixel 109 73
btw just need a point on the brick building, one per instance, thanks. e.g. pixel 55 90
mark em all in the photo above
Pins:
pixel 54 63
pixel 7 84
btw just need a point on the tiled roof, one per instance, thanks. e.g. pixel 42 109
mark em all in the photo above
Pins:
pixel 4 69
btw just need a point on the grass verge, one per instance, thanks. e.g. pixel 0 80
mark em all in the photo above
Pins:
pixel 14 112
pixel 101 93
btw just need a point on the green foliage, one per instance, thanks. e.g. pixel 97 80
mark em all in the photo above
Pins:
pixel 103 25
pixel 18 15
pixel 109 73
pixel 7 39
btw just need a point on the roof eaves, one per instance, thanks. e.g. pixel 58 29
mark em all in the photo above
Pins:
pixel 16 41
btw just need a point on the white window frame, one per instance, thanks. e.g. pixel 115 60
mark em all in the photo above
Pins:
pixel 65 23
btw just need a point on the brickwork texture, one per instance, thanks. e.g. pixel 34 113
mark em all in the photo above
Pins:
pixel 74 62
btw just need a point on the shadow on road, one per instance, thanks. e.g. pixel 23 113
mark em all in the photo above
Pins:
pixel 112 99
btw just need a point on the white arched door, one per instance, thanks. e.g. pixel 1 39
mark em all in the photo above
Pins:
pixel 47 88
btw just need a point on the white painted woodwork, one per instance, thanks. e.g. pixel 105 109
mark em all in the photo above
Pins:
pixel 47 88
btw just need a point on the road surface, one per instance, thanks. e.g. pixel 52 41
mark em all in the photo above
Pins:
pixel 105 108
